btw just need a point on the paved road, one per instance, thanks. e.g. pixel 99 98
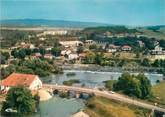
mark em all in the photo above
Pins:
pixel 106 94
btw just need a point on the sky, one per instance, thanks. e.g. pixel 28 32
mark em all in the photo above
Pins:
pixel 125 12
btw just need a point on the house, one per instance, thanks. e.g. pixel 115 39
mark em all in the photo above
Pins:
pixel 47 48
pixel 42 38
pixel 55 32
pixel 89 42
pixel 72 56
pixel 82 56
pixel 141 43
pixel 71 43
pixel 126 48
pixel 158 51
pixel 66 52
pixel 48 56
pixel 17 79
pixel 112 48
pixel 36 55
pixel 31 46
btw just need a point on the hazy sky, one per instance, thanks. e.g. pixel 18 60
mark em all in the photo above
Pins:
pixel 128 12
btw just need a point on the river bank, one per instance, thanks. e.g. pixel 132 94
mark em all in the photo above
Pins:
pixel 94 67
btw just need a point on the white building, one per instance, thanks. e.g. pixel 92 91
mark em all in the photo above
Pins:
pixel 17 79
pixel 71 43
pixel 126 48
pixel 158 51
pixel 73 56
pixel 55 32
pixel 66 52
pixel 48 56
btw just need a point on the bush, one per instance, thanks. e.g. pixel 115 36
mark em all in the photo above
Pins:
pixel 138 86
pixel 20 99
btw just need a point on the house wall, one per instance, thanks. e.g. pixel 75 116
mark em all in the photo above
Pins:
pixel 36 84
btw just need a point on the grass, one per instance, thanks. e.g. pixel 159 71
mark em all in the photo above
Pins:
pixel 150 33
pixel 70 82
pixel 159 93
pixel 102 107
pixel 71 74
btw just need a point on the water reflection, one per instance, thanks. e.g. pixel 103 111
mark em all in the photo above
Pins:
pixel 95 79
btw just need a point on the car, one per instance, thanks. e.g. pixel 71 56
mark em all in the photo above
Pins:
pixel 112 92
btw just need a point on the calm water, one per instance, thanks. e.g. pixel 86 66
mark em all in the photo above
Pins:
pixel 59 107
pixel 95 79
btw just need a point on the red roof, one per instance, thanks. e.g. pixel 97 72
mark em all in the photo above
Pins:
pixel 16 79
pixel 126 46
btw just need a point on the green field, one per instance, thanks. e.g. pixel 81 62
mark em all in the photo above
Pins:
pixel 159 93
pixel 158 35
pixel 102 107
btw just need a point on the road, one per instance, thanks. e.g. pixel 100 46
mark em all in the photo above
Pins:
pixel 105 94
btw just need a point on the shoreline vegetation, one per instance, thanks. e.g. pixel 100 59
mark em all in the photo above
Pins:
pixel 71 82
pixel 71 74
pixel 40 67
pixel 98 68
pixel 102 107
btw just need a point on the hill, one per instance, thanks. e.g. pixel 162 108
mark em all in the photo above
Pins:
pixel 153 31
pixel 49 23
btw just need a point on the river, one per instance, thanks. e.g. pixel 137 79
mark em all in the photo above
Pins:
pixel 95 79
pixel 58 107
pixel 61 107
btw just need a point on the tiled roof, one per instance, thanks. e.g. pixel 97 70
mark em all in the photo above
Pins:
pixel 16 79
pixel 126 46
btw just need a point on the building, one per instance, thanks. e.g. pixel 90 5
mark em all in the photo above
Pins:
pixel 82 56
pixel 73 56
pixel 36 55
pixel 17 79
pixel 158 51
pixel 126 48
pixel 66 52
pixel 52 32
pixel 112 48
pixel 141 43
pixel 55 32
pixel 89 42
pixel 71 43
pixel 48 56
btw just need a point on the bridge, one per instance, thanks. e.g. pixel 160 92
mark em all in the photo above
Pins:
pixel 105 94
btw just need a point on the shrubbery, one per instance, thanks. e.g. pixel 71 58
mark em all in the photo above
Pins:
pixel 138 86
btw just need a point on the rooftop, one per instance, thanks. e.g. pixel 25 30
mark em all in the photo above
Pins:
pixel 16 79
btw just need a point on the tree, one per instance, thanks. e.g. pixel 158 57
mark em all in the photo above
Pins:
pixel 80 49
pixel 6 55
pixel 20 99
pixel 56 51
pixel 21 54
pixel 93 47
pixel 162 43
pixel 146 62
pixel 90 57
pixel 132 85
pixel 145 85
pixel 99 58
pixel 28 51
pixel 42 51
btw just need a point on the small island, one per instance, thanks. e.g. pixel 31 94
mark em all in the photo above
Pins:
pixel 71 82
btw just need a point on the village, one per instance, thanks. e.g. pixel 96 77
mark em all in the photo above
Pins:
pixel 82 58
pixel 72 47
pixel 33 58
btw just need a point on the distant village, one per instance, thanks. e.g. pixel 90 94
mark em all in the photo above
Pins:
pixel 71 46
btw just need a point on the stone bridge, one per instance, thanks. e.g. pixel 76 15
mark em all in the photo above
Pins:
pixel 105 94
